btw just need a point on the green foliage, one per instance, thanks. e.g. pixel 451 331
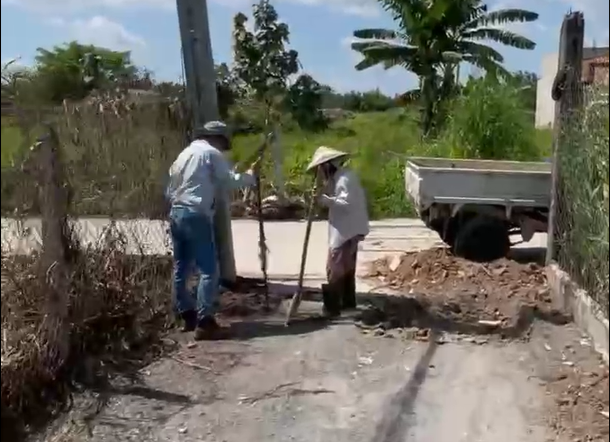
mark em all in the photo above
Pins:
pixel 74 70
pixel 372 138
pixel 488 121
pixel 304 101
pixel 527 85
pixel 228 90
pixel 261 59
pixel 355 101
pixel 433 38
pixel 371 101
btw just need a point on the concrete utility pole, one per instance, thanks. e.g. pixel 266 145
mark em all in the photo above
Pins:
pixel 203 102
pixel 198 60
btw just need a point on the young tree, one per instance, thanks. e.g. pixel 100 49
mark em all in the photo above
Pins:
pixel 264 64
pixel 261 59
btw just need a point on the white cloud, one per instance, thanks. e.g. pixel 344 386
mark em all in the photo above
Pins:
pixel 100 31
pixel 362 8
pixel 365 8
pixel 62 6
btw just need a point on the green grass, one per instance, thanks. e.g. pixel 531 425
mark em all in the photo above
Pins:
pixel 12 141
pixel 373 139
pixel 379 143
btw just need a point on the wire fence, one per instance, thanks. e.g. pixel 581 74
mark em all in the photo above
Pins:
pixel 582 222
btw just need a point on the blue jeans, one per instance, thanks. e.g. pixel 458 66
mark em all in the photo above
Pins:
pixel 193 242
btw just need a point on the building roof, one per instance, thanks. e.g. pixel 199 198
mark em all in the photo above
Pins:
pixel 596 52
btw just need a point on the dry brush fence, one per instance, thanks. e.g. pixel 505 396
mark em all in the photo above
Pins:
pixel 70 296
pixel 86 269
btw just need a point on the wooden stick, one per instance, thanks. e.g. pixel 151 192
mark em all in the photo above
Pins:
pixel 262 240
pixel 296 298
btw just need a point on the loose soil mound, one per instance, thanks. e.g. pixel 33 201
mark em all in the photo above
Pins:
pixel 493 294
pixel 247 298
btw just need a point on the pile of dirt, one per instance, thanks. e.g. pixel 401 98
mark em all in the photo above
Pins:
pixel 463 292
pixel 245 297
pixel 240 304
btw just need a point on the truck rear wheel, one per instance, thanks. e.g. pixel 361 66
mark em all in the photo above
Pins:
pixel 482 239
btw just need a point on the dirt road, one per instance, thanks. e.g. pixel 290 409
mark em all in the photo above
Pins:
pixel 314 382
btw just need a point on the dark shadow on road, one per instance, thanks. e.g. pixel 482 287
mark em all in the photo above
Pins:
pixel 398 415
pixel 387 311
pixel 150 393
pixel 267 327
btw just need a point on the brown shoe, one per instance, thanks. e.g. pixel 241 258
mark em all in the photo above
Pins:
pixel 209 330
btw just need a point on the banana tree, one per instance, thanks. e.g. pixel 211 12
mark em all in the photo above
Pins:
pixel 433 38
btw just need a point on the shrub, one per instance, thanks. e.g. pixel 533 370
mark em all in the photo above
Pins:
pixel 489 121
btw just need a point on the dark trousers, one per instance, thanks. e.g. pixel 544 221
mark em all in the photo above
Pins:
pixel 341 261
pixel 340 292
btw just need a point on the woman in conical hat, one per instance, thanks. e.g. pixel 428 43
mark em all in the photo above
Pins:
pixel 348 223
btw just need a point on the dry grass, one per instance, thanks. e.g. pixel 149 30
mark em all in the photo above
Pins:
pixel 583 215
pixel 118 307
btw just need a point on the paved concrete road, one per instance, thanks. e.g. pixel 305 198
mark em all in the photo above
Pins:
pixel 334 383
pixel 284 240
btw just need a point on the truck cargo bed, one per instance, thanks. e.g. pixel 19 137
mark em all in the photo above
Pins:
pixel 505 183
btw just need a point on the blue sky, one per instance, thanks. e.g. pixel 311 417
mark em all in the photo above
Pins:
pixel 320 31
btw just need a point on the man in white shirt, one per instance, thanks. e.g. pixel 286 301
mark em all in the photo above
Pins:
pixel 198 176
pixel 348 223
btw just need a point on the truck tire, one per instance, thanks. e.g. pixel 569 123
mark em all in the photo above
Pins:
pixel 482 239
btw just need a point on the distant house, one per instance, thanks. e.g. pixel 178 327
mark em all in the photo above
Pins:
pixel 594 71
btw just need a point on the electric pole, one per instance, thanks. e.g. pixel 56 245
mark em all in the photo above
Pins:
pixel 203 103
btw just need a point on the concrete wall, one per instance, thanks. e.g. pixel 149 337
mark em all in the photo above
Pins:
pixel 545 106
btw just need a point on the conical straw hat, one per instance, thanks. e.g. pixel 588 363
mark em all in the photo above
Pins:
pixel 325 154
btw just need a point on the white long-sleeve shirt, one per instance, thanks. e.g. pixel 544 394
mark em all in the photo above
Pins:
pixel 201 174
pixel 348 215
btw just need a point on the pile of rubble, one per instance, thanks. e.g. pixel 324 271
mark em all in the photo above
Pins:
pixel 462 291
pixel 273 209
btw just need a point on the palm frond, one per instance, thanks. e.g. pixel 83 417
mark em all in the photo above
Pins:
pixel 504 16
pixel 387 54
pixel 380 34
pixel 488 66
pixel 501 36
pixel 474 48
pixel 410 96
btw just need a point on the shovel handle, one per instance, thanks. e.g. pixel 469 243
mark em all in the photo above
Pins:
pixel 296 298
